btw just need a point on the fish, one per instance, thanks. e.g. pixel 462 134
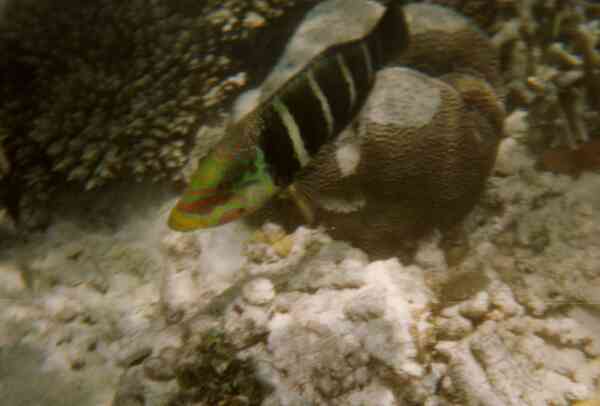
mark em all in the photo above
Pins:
pixel 572 161
pixel 264 151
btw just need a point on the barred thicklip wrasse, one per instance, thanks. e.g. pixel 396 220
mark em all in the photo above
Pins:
pixel 262 152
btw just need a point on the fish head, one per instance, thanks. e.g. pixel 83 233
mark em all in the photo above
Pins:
pixel 230 182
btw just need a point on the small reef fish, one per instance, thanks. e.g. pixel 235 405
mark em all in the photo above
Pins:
pixel 264 151
pixel 572 161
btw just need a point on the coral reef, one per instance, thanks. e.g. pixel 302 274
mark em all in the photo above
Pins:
pixel 512 322
pixel 398 178
pixel 322 324
pixel 429 340
pixel 551 66
pixel 507 363
pixel 445 42
pixel 396 172
pixel 109 306
pixel 486 13
pixel 95 91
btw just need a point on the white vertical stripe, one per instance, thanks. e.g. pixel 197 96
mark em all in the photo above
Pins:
pixel 303 203
pixel 368 60
pixel 293 131
pixel 314 86
pixel 348 78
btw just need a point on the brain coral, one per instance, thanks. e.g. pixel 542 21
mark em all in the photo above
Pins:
pixel 421 150
pixel 484 12
pixel 444 41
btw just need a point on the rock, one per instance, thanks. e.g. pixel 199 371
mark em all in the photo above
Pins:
pixel 158 369
pixel 259 291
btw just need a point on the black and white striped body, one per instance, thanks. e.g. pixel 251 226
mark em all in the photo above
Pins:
pixel 316 104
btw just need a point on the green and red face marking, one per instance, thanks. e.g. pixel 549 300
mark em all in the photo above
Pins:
pixel 225 186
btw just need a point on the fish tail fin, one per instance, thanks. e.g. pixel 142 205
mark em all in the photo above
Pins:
pixel 392 31
pixel 304 202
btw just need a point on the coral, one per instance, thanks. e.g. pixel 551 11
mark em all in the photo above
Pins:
pixel 552 249
pixel 357 328
pixel 552 66
pixel 512 323
pixel 485 13
pixel 327 327
pixel 396 188
pixel 528 335
pixel 98 91
pixel 506 363
pixel 444 42
pixel 421 148
pixel 503 357
pixel 301 318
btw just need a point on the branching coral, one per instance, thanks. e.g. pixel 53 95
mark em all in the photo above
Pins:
pixel 551 64
pixel 558 77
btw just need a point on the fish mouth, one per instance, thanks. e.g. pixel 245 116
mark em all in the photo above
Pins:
pixel 207 208
pixel 223 190
pixel 180 221
pixel 206 211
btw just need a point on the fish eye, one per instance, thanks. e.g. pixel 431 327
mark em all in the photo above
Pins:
pixel 233 176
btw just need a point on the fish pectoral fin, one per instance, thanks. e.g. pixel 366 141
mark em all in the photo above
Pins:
pixel 303 202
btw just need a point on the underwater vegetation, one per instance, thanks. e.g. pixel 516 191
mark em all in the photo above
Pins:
pixel 204 371
pixel 210 372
